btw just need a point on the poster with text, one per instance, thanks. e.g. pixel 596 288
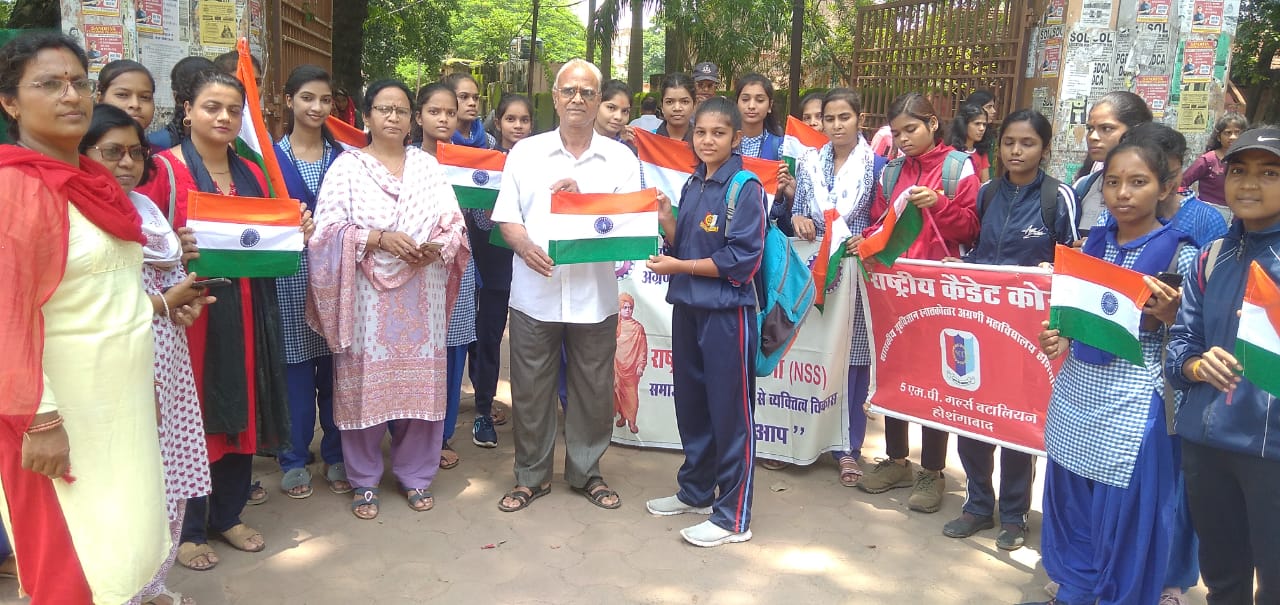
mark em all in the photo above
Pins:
pixel 1095 13
pixel 947 341
pixel 149 16
pixel 103 44
pixel 1155 91
pixel 1055 12
pixel 1193 111
pixel 801 409
pixel 101 8
pixel 1051 63
pixel 1206 16
pixel 1153 11
pixel 217 26
pixel 1198 59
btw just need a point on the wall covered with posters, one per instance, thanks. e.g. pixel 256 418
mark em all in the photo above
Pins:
pixel 157 33
pixel 1173 53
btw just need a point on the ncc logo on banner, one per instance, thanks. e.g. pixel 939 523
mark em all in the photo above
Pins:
pixel 961 364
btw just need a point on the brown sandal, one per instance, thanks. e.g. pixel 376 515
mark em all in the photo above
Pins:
pixel 850 471
pixel 238 537
pixel 188 552
pixel 446 462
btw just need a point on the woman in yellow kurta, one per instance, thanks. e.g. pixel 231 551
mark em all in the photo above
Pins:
pixel 79 460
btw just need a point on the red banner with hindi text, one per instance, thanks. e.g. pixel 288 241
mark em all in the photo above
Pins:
pixel 955 347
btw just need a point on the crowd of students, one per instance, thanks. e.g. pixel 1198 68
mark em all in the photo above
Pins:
pixel 400 291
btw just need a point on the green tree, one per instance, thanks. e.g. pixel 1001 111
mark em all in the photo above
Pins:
pixel 394 30
pixel 655 49
pixel 730 33
pixel 1257 44
pixel 25 14
pixel 483 29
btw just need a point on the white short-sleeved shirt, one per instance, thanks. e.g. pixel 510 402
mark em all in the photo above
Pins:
pixel 582 293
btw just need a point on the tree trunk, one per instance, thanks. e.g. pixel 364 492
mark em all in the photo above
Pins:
pixel 606 60
pixel 35 14
pixel 591 31
pixel 635 60
pixel 674 59
pixel 348 48
pixel 533 46
pixel 797 48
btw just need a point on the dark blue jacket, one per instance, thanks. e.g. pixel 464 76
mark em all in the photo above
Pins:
pixel 1012 230
pixel 1248 420
pixel 771 147
pixel 735 248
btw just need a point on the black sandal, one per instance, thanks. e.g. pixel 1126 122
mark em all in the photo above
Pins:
pixel 597 496
pixel 522 499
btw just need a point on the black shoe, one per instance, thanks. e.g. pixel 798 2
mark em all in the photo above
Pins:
pixel 1012 536
pixel 966 525
pixel 1049 602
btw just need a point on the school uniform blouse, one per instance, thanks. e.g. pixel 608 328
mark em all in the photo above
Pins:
pixel 1097 413
pixel 735 246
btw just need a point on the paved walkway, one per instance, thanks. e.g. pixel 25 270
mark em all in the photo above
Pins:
pixel 815 542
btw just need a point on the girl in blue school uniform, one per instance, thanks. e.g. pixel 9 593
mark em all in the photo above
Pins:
pixel 1109 482
pixel 761 137
pixel 713 264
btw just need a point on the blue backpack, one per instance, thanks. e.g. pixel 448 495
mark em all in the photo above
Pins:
pixel 784 286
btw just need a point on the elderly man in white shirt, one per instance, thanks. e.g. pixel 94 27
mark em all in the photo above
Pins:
pixel 574 306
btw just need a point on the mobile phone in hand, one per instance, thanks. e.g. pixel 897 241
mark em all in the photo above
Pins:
pixel 211 282
pixel 432 246
pixel 1173 280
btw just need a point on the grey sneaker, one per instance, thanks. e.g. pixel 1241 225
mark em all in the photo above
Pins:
pixel 708 534
pixel 886 475
pixel 966 525
pixel 1012 536
pixel 926 497
pixel 671 505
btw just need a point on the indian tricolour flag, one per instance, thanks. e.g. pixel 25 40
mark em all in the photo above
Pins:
pixel 254 141
pixel 603 227
pixel 1097 303
pixel 475 174
pixel 1258 340
pixel 346 134
pixel 767 172
pixel 800 139
pixel 245 236
pixel 897 231
pixel 665 163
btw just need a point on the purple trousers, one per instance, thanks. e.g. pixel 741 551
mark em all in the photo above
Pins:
pixel 415 453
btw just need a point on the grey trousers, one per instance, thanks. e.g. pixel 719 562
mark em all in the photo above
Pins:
pixel 588 420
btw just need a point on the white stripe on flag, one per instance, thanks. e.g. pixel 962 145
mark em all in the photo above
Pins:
pixel 667 180
pixel 1256 328
pixel 466 177
pixel 213 235
pixel 587 226
pixel 1069 291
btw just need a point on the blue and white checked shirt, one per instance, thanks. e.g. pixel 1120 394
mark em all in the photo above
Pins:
pixel 301 343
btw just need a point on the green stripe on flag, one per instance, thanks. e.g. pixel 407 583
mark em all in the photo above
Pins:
pixel 905 232
pixel 1259 366
pixel 245 151
pixel 245 263
pixel 495 238
pixel 791 165
pixel 475 197
pixel 1096 332
pixel 571 251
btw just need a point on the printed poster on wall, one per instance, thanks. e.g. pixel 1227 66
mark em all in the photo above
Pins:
pixel 103 44
pixel 217 26
pixel 1198 59
pixel 801 410
pixel 1095 13
pixel 1153 11
pixel 1155 91
pixel 946 339
pixel 1055 12
pixel 149 16
pixel 1193 111
pixel 1206 16
pixel 1051 63
pixel 101 8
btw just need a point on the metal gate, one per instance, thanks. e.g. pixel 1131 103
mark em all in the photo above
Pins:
pixel 944 49
pixel 301 33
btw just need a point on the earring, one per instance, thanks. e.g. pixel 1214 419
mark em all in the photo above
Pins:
pixel 186 122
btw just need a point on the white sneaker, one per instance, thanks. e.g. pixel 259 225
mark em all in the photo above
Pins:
pixel 671 505
pixel 708 534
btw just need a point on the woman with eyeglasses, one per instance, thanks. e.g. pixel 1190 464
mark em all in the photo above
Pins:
pixel 236 345
pixel 386 264
pixel 78 416
pixel 118 142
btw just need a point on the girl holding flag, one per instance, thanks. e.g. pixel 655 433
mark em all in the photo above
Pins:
pixel 678 92
pixel 1109 483
pixel 470 127
pixel 949 222
pixel 1222 350
pixel 712 265
pixel 235 346
pixel 1112 116
pixel 1013 232
pixel 305 154
pixel 440 108
pixel 842 178
pixel 615 110
pixel 811 110
pixel 761 137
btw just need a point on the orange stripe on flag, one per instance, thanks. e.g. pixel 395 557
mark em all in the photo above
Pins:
pixel 203 206
pixel 346 133
pixel 664 151
pixel 1263 292
pixel 564 202
pixel 805 133
pixel 879 238
pixel 244 71
pixel 1069 261
pixel 470 157
pixel 822 264
pixel 765 170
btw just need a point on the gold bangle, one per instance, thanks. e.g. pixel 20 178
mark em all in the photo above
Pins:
pixel 694 269
pixel 1195 369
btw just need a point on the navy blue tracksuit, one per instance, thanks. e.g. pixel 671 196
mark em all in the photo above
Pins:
pixel 713 344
